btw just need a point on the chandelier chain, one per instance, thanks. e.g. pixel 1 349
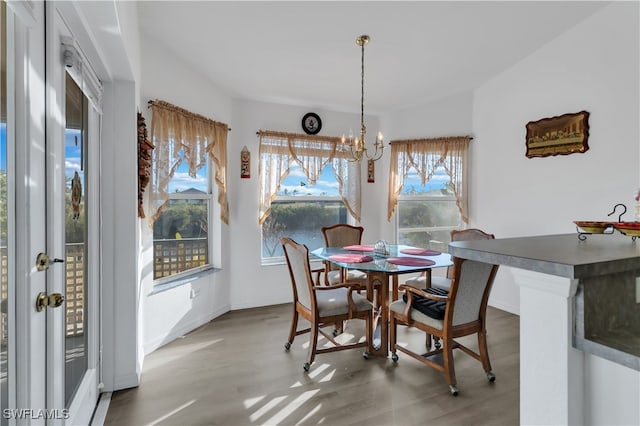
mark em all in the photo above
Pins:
pixel 362 126
pixel 357 146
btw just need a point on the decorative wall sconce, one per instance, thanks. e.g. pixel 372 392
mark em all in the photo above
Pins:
pixel 371 171
pixel 145 148
pixel 245 163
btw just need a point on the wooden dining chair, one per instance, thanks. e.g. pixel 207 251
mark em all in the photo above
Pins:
pixel 342 235
pixel 445 282
pixel 323 305
pixel 447 315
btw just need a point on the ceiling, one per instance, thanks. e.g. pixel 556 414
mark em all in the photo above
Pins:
pixel 304 53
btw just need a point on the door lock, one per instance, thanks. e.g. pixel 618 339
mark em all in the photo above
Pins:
pixel 43 300
pixel 43 261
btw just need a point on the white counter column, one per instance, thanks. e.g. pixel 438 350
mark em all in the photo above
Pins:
pixel 551 370
pixel 595 381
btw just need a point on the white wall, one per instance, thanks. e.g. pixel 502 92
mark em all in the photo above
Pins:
pixel 251 283
pixel 451 116
pixel 171 313
pixel 592 67
pixel 446 117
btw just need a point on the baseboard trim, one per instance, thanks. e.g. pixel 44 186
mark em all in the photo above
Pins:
pixel 515 310
pixel 183 329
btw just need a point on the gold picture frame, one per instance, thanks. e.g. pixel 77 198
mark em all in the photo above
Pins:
pixel 561 135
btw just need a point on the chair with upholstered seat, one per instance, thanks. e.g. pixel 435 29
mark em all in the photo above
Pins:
pixel 445 282
pixel 342 235
pixel 447 315
pixel 323 305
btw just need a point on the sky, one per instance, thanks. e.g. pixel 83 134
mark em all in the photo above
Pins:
pixel 3 146
pixel 296 183
pixel 182 181
pixel 72 153
pixel 327 185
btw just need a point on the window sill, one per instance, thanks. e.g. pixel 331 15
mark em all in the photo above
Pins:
pixel 168 283
pixel 283 261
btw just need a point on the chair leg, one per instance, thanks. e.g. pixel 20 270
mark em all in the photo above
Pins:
pixel 393 329
pixel 427 341
pixel 292 331
pixel 313 343
pixel 449 368
pixel 484 355
pixel 338 328
pixel 369 334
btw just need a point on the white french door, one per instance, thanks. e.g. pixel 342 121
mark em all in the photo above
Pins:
pixel 49 369
pixel 72 158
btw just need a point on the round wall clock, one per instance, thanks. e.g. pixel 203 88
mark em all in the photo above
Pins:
pixel 311 123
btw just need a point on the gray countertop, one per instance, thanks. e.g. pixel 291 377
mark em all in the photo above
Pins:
pixel 561 255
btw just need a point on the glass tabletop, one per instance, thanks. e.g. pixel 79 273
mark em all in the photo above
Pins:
pixel 379 262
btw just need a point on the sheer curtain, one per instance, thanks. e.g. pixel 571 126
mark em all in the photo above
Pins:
pixel 426 155
pixel 182 136
pixel 278 150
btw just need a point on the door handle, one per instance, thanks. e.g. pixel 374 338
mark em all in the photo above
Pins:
pixel 43 300
pixel 43 261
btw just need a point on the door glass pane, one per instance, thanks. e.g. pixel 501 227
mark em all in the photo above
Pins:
pixel 75 237
pixel 4 257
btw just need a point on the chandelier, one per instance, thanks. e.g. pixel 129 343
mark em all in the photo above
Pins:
pixel 354 146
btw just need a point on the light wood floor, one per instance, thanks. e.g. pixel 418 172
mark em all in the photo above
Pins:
pixel 235 371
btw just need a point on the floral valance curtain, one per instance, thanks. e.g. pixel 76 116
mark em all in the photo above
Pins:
pixel 180 137
pixel 279 150
pixel 426 155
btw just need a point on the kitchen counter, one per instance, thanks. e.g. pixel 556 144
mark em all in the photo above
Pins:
pixel 579 306
pixel 561 255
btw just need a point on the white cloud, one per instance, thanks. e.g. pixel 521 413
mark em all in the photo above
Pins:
pixel 182 181
pixel 72 164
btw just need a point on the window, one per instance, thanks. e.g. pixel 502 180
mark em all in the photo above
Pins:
pixel 306 183
pixel 427 213
pixel 190 154
pixel 300 210
pixel 181 232
pixel 429 189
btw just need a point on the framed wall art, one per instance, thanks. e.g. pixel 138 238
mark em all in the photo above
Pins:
pixel 561 135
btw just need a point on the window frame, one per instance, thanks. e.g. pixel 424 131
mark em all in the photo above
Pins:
pixel 213 228
pixel 281 260
pixel 427 198
pixel 279 151
pixel 426 155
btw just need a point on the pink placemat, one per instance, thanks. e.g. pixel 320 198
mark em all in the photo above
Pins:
pixel 351 258
pixel 410 261
pixel 359 247
pixel 420 252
